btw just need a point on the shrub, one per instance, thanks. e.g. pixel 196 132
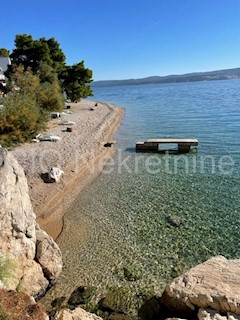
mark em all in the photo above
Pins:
pixel 49 97
pixel 27 104
pixel 20 119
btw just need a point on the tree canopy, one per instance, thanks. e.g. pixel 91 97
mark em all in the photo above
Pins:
pixel 75 79
pixel 37 80
pixel 32 54
pixel 4 52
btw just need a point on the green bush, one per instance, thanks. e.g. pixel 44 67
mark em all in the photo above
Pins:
pixel 27 105
pixel 49 97
pixel 20 120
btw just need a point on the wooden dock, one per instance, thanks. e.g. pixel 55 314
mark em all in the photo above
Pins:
pixel 152 145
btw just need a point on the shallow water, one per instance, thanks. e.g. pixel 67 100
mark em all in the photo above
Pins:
pixel 161 217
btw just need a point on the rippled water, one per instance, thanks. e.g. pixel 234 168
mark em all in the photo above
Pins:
pixel 159 218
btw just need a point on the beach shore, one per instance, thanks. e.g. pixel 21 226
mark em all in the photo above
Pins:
pixel 80 154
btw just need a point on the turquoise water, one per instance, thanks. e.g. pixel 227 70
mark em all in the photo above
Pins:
pixel 159 218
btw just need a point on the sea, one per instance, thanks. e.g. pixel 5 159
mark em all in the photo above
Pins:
pixel 149 217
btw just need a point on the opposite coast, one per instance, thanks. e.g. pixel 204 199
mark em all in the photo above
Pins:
pixel 80 154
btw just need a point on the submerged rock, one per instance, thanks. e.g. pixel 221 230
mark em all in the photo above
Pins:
pixel 150 309
pixel 214 283
pixel 34 258
pixel 117 300
pixel 131 274
pixel 81 295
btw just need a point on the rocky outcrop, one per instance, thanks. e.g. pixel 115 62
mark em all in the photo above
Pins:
pixel 77 314
pixel 18 305
pixel 48 255
pixel 30 260
pixel 210 314
pixel 213 284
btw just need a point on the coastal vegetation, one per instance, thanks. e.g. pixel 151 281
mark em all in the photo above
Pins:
pixel 6 269
pixel 38 80
pixel 4 52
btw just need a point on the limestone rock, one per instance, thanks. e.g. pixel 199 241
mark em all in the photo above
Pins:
pixel 48 255
pixel 18 305
pixel 213 284
pixel 209 314
pixel 77 314
pixel 18 241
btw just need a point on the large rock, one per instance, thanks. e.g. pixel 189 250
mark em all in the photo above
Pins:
pixel 213 284
pixel 29 258
pixel 77 314
pixel 210 314
pixel 18 305
pixel 48 255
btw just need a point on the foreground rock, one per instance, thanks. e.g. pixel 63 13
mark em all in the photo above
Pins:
pixel 213 284
pixel 18 305
pixel 210 314
pixel 77 314
pixel 30 260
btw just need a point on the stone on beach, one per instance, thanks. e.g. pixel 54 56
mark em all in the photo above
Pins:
pixel 55 174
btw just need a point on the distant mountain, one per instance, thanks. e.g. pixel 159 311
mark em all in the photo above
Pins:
pixel 188 77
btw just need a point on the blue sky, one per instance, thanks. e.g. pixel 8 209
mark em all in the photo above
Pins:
pixel 121 39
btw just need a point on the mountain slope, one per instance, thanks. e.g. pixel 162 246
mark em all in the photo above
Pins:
pixel 188 77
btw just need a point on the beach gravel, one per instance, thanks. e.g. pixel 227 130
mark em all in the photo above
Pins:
pixel 80 154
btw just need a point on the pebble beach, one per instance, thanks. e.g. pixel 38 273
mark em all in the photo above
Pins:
pixel 80 154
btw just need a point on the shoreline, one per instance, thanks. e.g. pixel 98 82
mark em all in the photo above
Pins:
pixel 80 154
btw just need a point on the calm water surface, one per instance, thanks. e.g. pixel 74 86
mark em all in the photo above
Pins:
pixel 160 219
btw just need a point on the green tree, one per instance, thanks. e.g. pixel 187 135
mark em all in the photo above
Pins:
pixel 31 53
pixel 22 54
pixel 76 81
pixel 49 93
pixel 23 81
pixel 58 58
pixel 4 52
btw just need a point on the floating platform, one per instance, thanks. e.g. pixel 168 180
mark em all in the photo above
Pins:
pixel 153 145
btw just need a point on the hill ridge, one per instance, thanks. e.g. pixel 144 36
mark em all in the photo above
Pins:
pixel 225 74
